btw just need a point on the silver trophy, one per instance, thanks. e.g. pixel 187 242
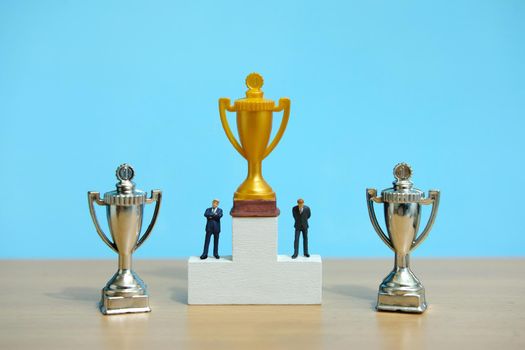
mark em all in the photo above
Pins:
pixel 125 292
pixel 401 290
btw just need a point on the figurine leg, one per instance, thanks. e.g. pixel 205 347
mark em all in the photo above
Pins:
pixel 206 245
pixel 296 244
pixel 216 245
pixel 305 243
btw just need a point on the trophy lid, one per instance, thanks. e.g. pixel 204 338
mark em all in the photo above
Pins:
pixel 403 190
pixel 126 194
pixel 254 100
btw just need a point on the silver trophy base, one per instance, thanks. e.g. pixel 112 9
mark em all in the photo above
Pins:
pixel 124 293
pixel 412 303
pixel 124 305
pixel 401 291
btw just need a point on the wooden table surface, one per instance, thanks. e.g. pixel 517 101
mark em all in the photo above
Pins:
pixel 474 304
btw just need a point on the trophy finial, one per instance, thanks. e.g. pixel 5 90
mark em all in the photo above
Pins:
pixel 254 82
pixel 402 172
pixel 125 172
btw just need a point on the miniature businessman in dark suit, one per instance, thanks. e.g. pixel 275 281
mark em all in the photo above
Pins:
pixel 213 227
pixel 301 214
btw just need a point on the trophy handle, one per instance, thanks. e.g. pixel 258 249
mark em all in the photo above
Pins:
pixel 156 196
pixel 284 104
pixel 224 105
pixel 92 198
pixel 433 198
pixel 371 197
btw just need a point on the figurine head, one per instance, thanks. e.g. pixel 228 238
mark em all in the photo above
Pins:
pixel 300 202
pixel 215 203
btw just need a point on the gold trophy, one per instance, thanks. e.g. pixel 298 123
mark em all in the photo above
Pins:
pixel 254 197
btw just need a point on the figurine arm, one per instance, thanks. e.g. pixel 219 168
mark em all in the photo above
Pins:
pixel 309 212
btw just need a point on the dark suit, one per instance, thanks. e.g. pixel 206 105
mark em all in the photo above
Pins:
pixel 213 227
pixel 301 225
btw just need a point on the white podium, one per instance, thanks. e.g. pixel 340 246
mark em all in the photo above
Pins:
pixel 255 274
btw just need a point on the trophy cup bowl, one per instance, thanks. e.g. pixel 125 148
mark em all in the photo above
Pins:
pixel 125 223
pixel 401 290
pixel 125 292
pixel 254 146
pixel 254 197
pixel 402 224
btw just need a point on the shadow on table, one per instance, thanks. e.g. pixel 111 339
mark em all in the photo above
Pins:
pixel 86 294
pixel 354 291
pixel 178 275
pixel 172 272
pixel 179 294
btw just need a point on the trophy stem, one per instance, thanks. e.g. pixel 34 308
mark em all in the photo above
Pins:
pixel 254 197
pixel 254 169
pixel 402 260
pixel 124 261
pixel 254 186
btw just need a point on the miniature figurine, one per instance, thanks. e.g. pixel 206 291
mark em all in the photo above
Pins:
pixel 301 214
pixel 213 227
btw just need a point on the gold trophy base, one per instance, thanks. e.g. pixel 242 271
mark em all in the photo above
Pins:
pixel 410 302
pixel 254 208
pixel 113 305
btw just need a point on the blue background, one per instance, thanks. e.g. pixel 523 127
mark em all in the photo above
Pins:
pixel 85 86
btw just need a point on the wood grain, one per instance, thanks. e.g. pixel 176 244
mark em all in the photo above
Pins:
pixel 474 304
